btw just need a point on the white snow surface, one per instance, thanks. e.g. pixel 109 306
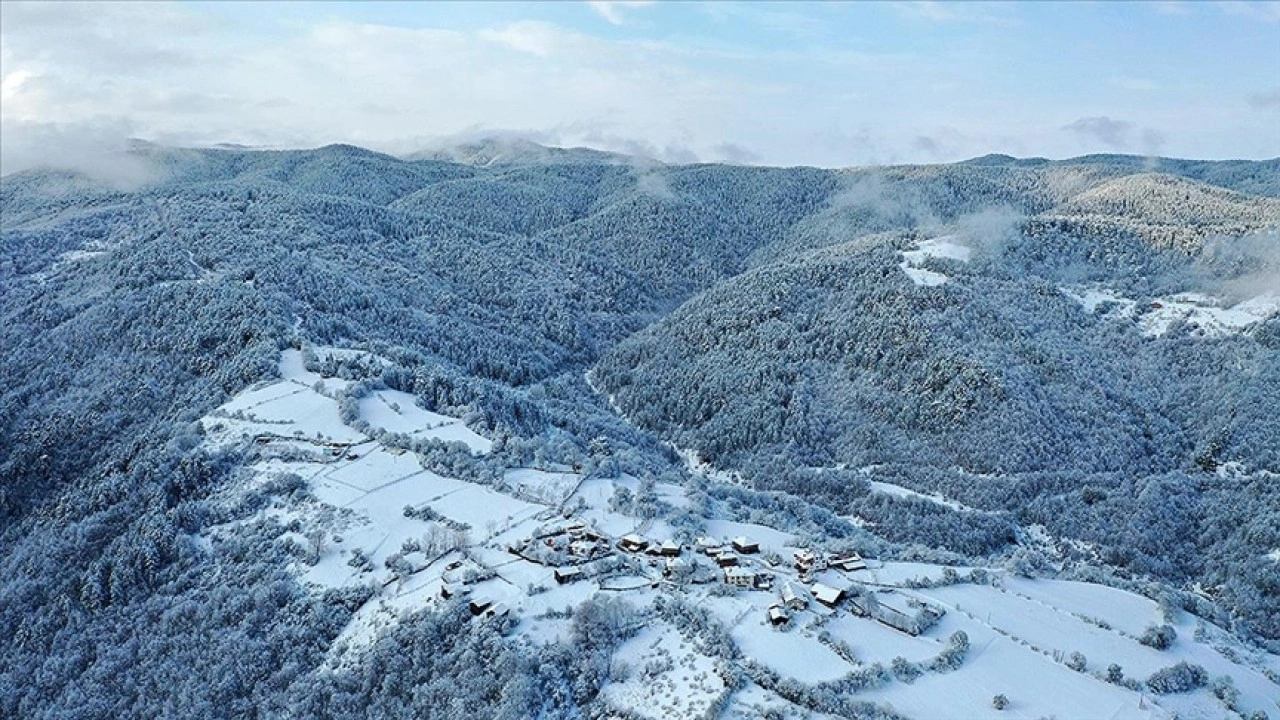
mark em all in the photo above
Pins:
pixel 1207 316
pixel 684 688
pixel 943 247
pixel 398 412
pixel 899 491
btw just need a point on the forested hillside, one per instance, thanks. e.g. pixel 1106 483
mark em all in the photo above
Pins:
pixel 1089 345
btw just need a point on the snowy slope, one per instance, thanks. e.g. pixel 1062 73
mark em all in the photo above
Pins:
pixel 458 537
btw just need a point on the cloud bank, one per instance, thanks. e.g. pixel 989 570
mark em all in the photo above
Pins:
pixel 787 91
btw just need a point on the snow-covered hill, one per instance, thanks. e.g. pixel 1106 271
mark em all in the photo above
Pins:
pixel 361 515
pixel 330 433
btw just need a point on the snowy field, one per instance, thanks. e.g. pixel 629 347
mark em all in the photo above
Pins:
pixel 940 247
pixel 899 491
pixel 1207 316
pixel 668 679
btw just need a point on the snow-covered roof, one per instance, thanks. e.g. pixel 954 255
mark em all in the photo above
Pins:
pixel 788 592
pixel 826 593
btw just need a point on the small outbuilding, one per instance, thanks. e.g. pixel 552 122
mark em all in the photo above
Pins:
pixel 726 559
pixel 778 616
pixel 566 575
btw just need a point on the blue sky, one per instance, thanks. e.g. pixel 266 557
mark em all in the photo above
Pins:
pixel 829 84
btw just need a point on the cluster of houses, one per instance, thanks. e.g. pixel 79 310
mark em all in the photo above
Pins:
pixel 575 538
pixel 739 564
pixel 456 581
pixel 578 543
pixel 810 561
pixel 897 611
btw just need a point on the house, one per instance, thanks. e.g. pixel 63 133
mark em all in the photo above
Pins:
pixel 847 562
pixel 792 598
pixel 778 616
pixel 582 548
pixel 745 546
pixel 726 559
pixel 497 611
pixel 826 594
pixel 632 543
pixel 740 576
pixel 677 567
pixel 670 548
pixel 809 561
pixel 478 606
pixel 567 575
pixel 706 545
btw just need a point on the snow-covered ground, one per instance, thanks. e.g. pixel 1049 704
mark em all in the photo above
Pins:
pixel 1207 316
pixel 943 247
pixel 459 535
pixel 668 679
pixel 899 491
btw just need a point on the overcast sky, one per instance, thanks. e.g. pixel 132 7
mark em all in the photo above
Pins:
pixel 828 84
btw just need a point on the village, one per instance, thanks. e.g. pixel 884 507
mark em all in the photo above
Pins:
pixel 526 550
pixel 829 580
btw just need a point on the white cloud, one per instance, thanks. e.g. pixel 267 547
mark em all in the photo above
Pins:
pixel 535 38
pixel 1117 135
pixel 1267 12
pixel 933 11
pixel 613 10
pixel 1176 8
pixel 188 75
pixel 98 150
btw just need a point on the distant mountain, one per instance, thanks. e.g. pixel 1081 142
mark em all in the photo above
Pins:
pixel 515 151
